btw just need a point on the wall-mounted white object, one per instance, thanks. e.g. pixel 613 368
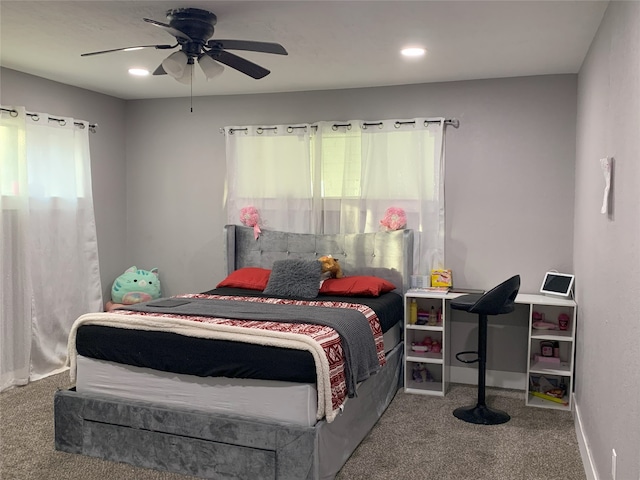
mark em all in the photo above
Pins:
pixel 605 164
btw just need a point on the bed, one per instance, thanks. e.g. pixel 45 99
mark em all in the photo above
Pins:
pixel 271 411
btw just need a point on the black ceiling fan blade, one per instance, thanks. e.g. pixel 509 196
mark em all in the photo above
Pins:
pixel 263 47
pixel 159 70
pixel 239 63
pixel 173 31
pixel 159 47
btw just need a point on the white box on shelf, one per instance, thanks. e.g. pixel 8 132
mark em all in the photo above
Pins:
pixel 420 281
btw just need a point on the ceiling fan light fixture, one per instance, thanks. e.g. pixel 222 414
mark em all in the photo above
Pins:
pixel 175 64
pixel 210 67
pixel 186 75
pixel 192 28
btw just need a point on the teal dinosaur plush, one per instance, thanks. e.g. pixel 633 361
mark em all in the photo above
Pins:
pixel 135 286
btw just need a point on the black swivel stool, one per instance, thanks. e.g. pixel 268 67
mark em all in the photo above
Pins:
pixel 497 301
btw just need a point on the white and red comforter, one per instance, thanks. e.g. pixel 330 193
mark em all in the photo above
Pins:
pixel 321 341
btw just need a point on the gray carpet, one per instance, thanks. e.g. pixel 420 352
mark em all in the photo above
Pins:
pixel 417 438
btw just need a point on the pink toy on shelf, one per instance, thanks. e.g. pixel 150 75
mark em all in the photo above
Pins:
pixel 539 322
pixel 542 325
pixel 542 358
pixel 418 347
pixel 563 321
pixel 423 346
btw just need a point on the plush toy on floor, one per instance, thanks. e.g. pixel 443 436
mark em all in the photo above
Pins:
pixel 330 267
pixel 135 286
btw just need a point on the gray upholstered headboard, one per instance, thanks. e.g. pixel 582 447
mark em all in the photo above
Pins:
pixel 388 255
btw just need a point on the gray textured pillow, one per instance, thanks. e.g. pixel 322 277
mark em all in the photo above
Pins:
pixel 294 278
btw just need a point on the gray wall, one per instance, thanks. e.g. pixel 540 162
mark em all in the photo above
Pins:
pixel 107 155
pixel 509 173
pixel 509 179
pixel 607 247
pixel 509 170
pixel 509 182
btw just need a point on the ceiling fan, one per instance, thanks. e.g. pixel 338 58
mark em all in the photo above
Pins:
pixel 193 29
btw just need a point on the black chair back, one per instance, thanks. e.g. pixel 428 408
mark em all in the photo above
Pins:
pixel 498 300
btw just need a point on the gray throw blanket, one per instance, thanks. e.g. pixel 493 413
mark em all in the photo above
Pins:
pixel 361 358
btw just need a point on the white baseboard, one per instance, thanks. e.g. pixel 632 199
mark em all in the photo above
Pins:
pixel 494 378
pixel 585 452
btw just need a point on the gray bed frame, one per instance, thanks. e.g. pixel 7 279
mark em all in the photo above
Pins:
pixel 216 446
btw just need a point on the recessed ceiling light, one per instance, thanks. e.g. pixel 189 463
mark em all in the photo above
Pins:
pixel 413 52
pixel 140 72
pixel 131 49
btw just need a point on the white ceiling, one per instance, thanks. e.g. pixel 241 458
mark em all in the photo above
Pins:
pixel 331 44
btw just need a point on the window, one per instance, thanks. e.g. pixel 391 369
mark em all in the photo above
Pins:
pixel 12 163
pixel 341 177
pixel 340 164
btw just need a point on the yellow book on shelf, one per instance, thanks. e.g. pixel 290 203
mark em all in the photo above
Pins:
pixel 441 278
pixel 550 398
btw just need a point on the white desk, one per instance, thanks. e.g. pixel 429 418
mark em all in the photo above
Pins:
pixel 428 373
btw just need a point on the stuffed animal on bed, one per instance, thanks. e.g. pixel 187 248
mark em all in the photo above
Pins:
pixel 330 267
pixel 135 286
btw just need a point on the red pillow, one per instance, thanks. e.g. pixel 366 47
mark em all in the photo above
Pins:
pixel 251 278
pixel 356 286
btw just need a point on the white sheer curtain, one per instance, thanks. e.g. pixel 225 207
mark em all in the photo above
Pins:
pixel 269 168
pixel 358 170
pixel 49 255
pixel 367 167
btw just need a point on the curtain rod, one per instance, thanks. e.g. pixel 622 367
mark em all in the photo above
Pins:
pixel 61 121
pixel 454 122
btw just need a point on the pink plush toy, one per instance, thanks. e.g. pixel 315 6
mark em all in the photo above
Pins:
pixel 394 219
pixel 250 217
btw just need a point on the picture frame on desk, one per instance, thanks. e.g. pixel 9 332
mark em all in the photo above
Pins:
pixel 559 284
